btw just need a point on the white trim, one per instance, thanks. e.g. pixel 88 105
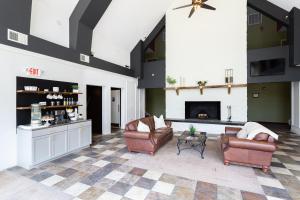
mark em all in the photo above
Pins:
pixel 295 129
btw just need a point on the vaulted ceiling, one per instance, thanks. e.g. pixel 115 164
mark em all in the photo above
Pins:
pixel 123 24
pixel 286 4
pixel 50 20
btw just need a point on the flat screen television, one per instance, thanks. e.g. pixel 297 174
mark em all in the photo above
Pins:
pixel 267 67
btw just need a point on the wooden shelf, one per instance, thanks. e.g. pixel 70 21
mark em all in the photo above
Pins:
pixel 48 107
pixel 177 89
pixel 43 92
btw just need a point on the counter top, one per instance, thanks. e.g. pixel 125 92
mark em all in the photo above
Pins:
pixel 35 128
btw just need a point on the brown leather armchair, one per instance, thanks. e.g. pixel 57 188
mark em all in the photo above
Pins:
pixel 256 153
pixel 147 142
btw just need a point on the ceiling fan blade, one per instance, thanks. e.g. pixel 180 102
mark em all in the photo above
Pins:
pixel 183 6
pixel 192 12
pixel 207 7
pixel 198 1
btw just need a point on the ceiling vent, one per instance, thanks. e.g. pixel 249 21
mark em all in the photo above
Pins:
pixel 17 37
pixel 84 58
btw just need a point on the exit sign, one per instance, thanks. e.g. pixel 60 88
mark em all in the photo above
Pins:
pixel 33 71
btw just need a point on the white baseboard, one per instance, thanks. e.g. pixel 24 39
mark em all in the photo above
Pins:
pixel 295 129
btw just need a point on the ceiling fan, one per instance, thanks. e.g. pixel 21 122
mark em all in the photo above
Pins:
pixel 195 5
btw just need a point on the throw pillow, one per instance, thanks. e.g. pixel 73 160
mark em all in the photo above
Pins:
pixel 159 122
pixel 143 127
pixel 242 134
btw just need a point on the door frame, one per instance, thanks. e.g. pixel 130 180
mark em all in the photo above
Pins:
pixel 120 89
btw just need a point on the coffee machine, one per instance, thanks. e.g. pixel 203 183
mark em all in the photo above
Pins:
pixel 59 116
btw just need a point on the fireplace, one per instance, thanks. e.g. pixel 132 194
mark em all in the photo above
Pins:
pixel 205 110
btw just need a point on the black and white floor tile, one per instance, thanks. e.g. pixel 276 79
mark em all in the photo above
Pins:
pixel 100 173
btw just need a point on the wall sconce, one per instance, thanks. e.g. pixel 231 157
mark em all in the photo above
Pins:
pixel 229 79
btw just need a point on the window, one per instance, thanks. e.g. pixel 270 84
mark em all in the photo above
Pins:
pixel 254 19
pixel 267 67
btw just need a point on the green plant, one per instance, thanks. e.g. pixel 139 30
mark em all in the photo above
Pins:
pixel 171 81
pixel 192 130
pixel 75 87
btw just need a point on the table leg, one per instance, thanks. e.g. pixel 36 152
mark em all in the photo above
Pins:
pixel 202 149
pixel 178 147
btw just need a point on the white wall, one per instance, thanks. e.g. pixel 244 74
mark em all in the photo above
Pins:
pixel 123 24
pixel 15 62
pixel 295 123
pixel 50 20
pixel 201 48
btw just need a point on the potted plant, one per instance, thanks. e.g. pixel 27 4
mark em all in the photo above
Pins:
pixel 171 81
pixel 75 88
pixel 192 130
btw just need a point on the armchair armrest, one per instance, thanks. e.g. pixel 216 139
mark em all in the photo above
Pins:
pixel 137 135
pixel 232 130
pixel 251 144
pixel 168 124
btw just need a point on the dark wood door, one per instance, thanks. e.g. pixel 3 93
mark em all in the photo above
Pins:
pixel 94 108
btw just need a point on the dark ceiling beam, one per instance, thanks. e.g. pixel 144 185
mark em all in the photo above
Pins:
pixel 158 28
pixel 16 15
pixel 83 20
pixel 271 10
pixel 137 60
pixel 294 37
pixel 43 47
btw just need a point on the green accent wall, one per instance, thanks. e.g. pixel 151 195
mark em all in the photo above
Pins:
pixel 156 102
pixel 273 103
pixel 265 35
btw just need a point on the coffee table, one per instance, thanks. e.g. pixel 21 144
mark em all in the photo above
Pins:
pixel 197 142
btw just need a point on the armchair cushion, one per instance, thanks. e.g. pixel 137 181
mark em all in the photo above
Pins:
pixel 232 130
pixel 252 134
pixel 251 144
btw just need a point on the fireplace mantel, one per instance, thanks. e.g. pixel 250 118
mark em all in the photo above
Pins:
pixel 200 121
pixel 228 86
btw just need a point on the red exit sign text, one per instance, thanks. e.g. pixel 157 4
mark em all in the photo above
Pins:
pixel 32 71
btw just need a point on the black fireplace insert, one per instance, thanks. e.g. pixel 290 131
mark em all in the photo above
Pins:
pixel 204 110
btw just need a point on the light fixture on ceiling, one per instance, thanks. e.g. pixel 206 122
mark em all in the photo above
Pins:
pixel 195 5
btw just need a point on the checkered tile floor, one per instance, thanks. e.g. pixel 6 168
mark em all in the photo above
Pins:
pixel 100 173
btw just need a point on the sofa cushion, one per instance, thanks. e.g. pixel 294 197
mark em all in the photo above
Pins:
pixel 164 130
pixel 142 127
pixel 157 137
pixel 159 122
pixel 149 122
